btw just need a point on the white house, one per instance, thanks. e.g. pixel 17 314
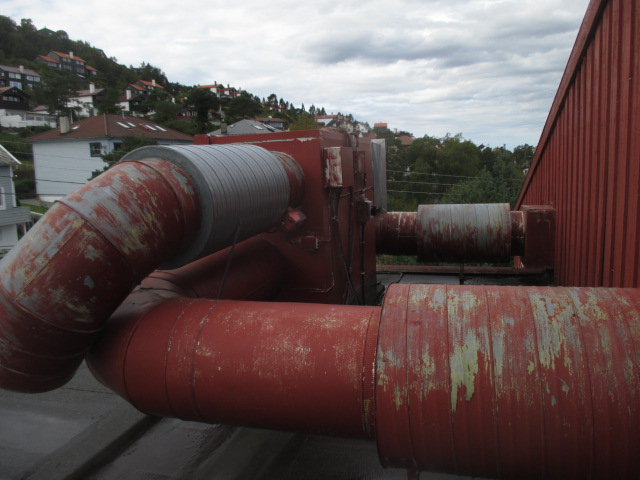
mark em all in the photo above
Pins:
pixel 66 157
pixel 11 216
pixel 85 101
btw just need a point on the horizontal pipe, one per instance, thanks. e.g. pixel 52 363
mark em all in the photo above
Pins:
pixel 453 233
pixel 274 365
pixel 510 382
pixel 502 382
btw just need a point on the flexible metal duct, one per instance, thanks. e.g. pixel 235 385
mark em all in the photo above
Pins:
pixel 81 260
pixel 509 382
pixel 244 190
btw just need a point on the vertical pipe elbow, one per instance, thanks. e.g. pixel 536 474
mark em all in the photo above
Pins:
pixel 74 267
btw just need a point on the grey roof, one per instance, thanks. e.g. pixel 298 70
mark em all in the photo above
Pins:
pixel 246 127
pixel 6 158
pixel 26 71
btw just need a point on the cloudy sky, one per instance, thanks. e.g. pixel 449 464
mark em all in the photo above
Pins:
pixel 488 69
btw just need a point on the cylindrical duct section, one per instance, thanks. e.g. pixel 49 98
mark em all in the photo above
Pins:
pixel 244 190
pixel 396 233
pixel 510 382
pixel 464 233
pixel 298 367
pixel 80 260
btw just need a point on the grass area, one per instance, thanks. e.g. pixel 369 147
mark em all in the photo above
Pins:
pixel 37 208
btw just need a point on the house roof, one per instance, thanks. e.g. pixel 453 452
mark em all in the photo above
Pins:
pixel 26 71
pixel 88 93
pixel 17 91
pixel 66 55
pixel 112 126
pixel 6 158
pixel 136 87
pixel 48 58
pixel 150 84
pixel 246 127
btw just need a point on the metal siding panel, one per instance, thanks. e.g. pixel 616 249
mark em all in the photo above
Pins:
pixel 586 164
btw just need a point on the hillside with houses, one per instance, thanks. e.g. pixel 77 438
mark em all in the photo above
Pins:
pixel 68 111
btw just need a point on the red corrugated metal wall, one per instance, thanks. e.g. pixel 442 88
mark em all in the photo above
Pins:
pixel 587 163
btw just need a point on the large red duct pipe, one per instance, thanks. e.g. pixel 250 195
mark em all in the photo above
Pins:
pixel 488 381
pixel 164 205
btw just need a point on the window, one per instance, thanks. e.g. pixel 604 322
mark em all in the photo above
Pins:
pixel 3 202
pixel 13 83
pixel 95 148
pixel 14 75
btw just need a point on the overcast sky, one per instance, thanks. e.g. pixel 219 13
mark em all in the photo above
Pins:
pixel 488 69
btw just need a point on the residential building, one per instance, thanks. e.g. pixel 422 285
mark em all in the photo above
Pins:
pixel 148 86
pixel 69 62
pixel 18 77
pixel 11 216
pixel 222 92
pixel 406 141
pixel 85 102
pixel 132 101
pixel 16 113
pixel 66 157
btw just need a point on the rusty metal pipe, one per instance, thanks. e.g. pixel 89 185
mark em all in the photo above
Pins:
pixel 275 365
pixel 161 206
pixel 510 382
pixel 502 382
pixel 453 233
pixel 70 272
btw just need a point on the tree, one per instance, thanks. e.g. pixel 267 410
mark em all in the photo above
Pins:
pixel 243 106
pixel 304 121
pixel 202 101
pixel 56 88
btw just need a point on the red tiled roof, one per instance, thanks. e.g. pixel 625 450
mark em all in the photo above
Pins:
pixel 137 87
pixel 151 84
pixel 48 59
pixel 89 67
pixel 113 126
pixel 66 55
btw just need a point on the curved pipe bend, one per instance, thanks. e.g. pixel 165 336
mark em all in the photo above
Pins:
pixel 159 206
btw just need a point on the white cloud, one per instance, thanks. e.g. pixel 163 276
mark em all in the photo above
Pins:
pixel 486 68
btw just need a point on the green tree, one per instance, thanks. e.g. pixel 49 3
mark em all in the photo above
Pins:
pixel 203 101
pixel 304 121
pixel 244 105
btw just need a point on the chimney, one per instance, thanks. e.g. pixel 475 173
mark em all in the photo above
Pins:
pixel 21 68
pixel 153 82
pixel 71 55
pixel 128 94
pixel 92 88
pixel 65 125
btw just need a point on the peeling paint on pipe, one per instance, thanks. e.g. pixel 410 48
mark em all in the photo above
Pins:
pixel 286 366
pixel 504 382
pixel 464 233
pixel 453 233
pixel 510 382
pixel 160 206
pixel 71 271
